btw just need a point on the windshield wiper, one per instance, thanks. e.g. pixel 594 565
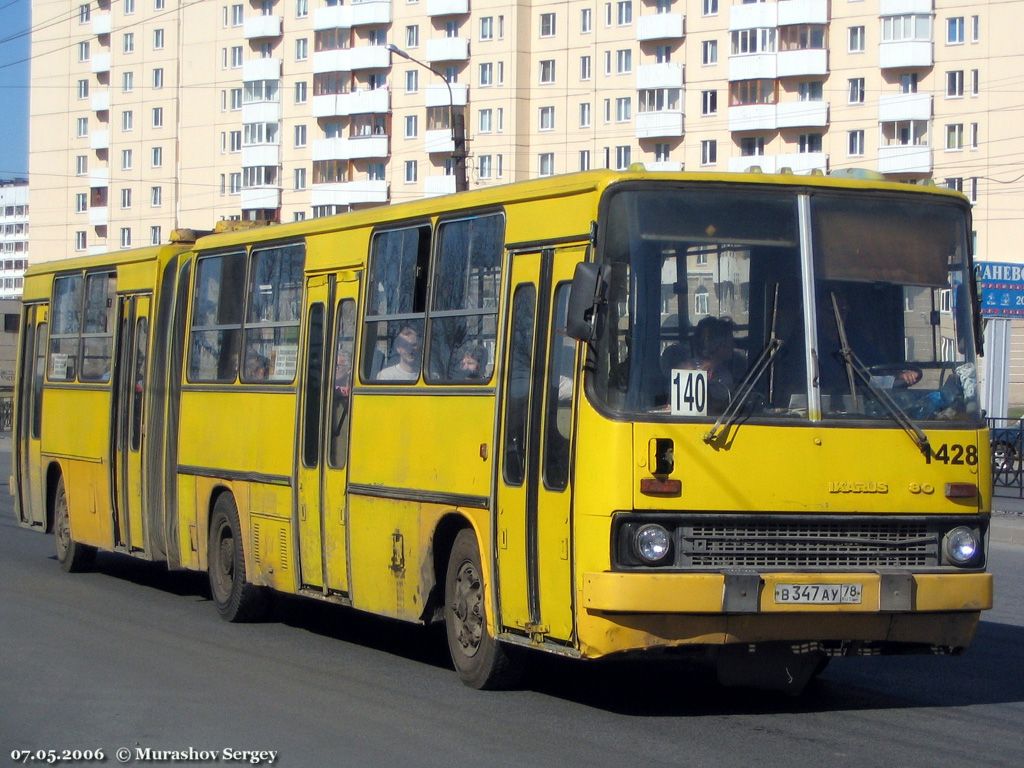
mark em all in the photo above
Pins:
pixel 732 411
pixel 855 367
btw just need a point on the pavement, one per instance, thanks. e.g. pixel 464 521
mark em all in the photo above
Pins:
pixel 1007 503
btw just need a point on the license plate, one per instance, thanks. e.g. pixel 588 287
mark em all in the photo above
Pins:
pixel 819 594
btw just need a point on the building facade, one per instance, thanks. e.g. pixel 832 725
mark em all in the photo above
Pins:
pixel 13 237
pixel 152 114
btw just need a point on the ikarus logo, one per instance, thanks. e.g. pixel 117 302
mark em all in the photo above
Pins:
pixel 856 486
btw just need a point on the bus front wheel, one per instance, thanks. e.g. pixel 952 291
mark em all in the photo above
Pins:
pixel 71 555
pixel 481 661
pixel 235 598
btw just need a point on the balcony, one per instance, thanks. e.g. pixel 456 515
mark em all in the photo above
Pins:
pixel 99 63
pixel 437 95
pixel 350 192
pixel 904 106
pixel 802 162
pixel 344 148
pixel 100 177
pixel 803 12
pixel 331 61
pixel 261 154
pixel 256 27
pixel 753 66
pixel 332 17
pixel 102 23
pixel 261 197
pixel 365 102
pixel 99 216
pixel 801 114
pixel 99 140
pixel 370 12
pixel 261 69
pixel 438 141
pixel 905 53
pixel 904 7
pixel 447 7
pixel 811 61
pixel 261 112
pixel 753 117
pixel 100 100
pixel 905 158
pixel 368 57
pixel 753 16
pixel 661 26
pixel 667 166
pixel 659 76
pixel 438 185
pixel 653 125
pixel 447 49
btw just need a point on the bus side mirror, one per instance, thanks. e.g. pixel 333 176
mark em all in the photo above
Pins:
pixel 579 323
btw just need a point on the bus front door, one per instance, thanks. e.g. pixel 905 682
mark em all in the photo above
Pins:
pixel 326 398
pixel 129 400
pixel 28 426
pixel 534 487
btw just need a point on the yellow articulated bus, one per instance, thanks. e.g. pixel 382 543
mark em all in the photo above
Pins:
pixel 592 414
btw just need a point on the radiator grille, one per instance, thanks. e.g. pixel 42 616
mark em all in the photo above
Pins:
pixel 813 544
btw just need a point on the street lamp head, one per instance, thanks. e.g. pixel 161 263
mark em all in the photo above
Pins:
pixel 395 49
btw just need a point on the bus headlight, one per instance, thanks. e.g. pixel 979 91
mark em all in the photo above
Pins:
pixel 652 543
pixel 961 545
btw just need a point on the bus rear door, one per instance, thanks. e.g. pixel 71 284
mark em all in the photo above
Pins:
pixel 534 487
pixel 325 416
pixel 31 490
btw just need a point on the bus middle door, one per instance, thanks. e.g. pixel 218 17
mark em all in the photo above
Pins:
pixel 534 493
pixel 28 430
pixel 326 398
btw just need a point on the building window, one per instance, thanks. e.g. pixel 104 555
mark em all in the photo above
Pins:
pixel 547 25
pixel 156 196
pixel 956 183
pixel 81 165
pixel 623 109
pixel 748 41
pixel 80 240
pixel 127 120
pixel 487 28
pixel 236 57
pixel 955 30
pixel 975 29
pixel 974 135
pixel 624 61
pixel 83 51
pixel 955 83
pixel 411 126
pixel 83 89
pixel 301 49
pixel 663 54
pixel 809 142
pixel 300 178
pixel 301 9
pixel 975 82
pixel 586 21
pixel 82 127
pixel 128 42
pixel 855 143
pixel 412 81
pixel 485 120
pixel 708 152
pixel 410 171
pixel 908 82
pixel 709 7
pixel 126 237
pixel 661 153
pixel 158 117
pixel 158 78
pixel 856 90
pixel 235 180
pixel 487 74
pixel 955 136
pixel 155 235
pixel 585 114
pixel 622 157
pixel 709 52
pixel 484 167
pixel 84 14
pixel 709 102
pixel 547 71
pixel 81 202
pixel 585 69
pixel 128 6
pixel 236 141
pixel 301 92
pixel 624 13
pixel 126 159
pixel 157 157
pixel 158 39
pixel 412 36
pixel 856 40
pixel 127 81
pixel 546 120
pixel 546 164
pixel 752 146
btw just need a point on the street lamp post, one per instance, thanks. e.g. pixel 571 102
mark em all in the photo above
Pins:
pixel 456 120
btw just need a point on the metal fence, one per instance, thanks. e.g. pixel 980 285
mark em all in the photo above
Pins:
pixel 1007 446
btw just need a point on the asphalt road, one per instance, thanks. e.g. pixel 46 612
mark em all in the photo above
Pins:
pixel 129 655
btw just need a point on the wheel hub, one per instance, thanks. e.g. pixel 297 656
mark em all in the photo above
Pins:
pixel 468 609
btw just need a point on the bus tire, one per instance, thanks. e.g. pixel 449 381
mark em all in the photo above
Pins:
pixel 480 659
pixel 72 556
pixel 236 599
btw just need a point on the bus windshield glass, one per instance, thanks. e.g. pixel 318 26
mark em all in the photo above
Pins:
pixel 705 287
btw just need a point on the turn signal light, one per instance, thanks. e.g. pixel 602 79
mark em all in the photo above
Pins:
pixel 961 490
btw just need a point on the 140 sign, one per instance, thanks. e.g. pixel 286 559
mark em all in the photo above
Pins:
pixel 689 392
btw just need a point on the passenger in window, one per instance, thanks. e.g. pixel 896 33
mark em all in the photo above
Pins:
pixel 473 363
pixel 714 350
pixel 407 348
pixel 257 368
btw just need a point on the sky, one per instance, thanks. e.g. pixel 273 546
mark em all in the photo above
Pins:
pixel 14 19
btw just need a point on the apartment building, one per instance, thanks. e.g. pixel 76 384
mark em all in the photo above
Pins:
pixel 152 114
pixel 13 237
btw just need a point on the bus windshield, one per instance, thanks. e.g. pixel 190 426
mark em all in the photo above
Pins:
pixel 708 284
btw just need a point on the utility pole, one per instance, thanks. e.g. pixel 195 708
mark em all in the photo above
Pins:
pixel 456 121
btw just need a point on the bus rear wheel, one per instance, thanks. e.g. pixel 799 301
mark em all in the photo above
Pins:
pixel 72 556
pixel 235 598
pixel 480 659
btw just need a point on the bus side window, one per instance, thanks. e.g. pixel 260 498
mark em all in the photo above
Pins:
pixel 67 324
pixel 464 302
pixel 558 416
pixel 37 381
pixel 341 393
pixel 98 330
pixel 139 381
pixel 520 369
pixel 395 305
pixel 272 319
pixel 214 338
